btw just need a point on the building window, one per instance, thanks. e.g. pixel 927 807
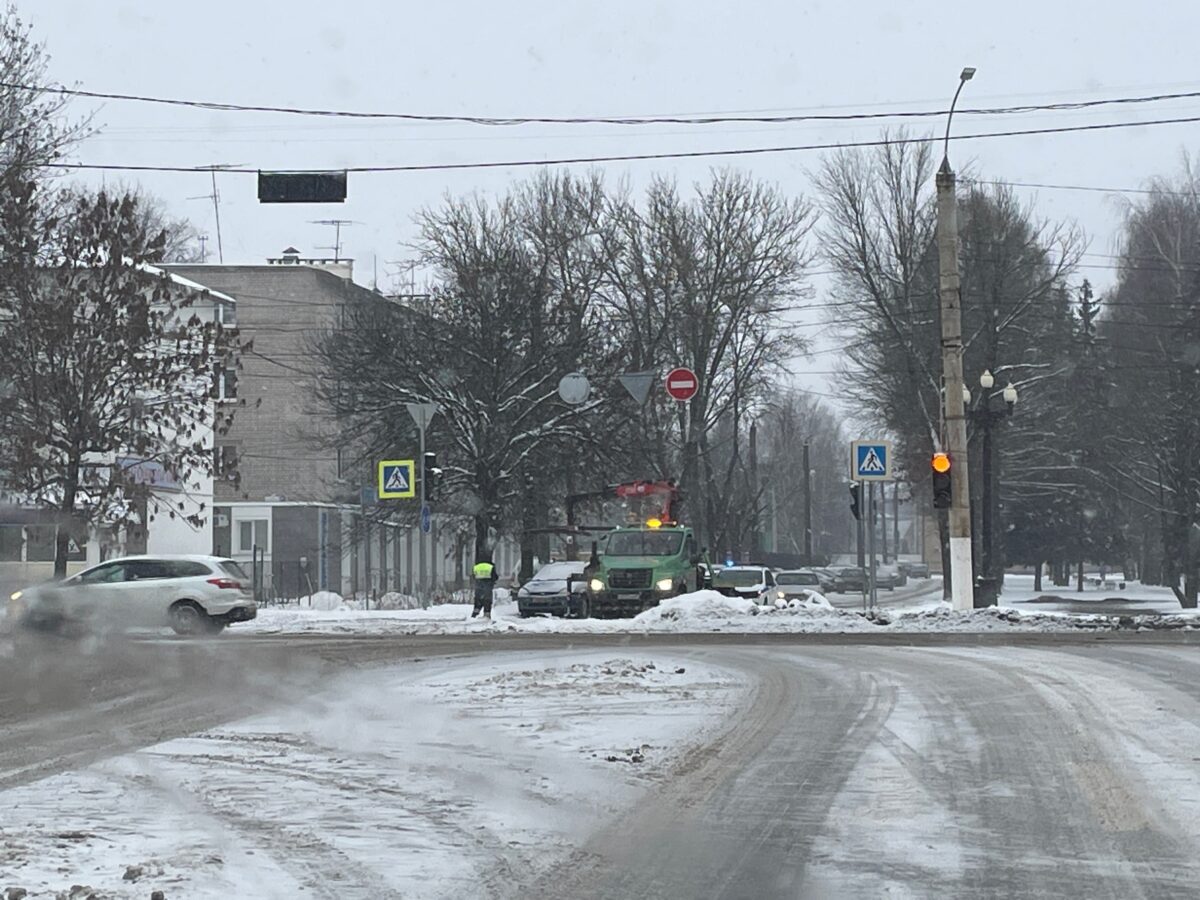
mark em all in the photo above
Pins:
pixel 252 533
pixel 39 543
pixel 343 464
pixel 12 537
pixel 225 459
pixel 225 314
pixel 226 378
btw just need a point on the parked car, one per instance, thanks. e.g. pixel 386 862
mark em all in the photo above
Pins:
pixel 556 589
pixel 797 583
pixel 848 579
pixel 755 583
pixel 191 594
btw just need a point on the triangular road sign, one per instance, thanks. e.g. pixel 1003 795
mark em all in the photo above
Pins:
pixel 397 480
pixel 638 385
pixel 872 464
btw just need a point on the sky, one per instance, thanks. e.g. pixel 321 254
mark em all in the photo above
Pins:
pixel 618 58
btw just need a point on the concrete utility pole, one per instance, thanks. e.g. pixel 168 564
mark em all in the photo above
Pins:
pixel 808 535
pixel 953 416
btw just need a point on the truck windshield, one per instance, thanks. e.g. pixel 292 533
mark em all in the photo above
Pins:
pixel 643 543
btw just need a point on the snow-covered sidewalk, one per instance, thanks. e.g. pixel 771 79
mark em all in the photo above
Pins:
pixel 702 612
pixel 433 779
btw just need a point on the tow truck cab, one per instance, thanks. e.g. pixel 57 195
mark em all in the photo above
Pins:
pixel 641 565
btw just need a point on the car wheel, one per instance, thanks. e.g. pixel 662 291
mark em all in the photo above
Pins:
pixel 186 617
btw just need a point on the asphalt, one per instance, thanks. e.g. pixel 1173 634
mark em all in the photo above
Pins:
pixel 990 765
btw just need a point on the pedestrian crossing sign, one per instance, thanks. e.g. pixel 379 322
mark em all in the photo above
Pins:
pixel 871 460
pixel 396 481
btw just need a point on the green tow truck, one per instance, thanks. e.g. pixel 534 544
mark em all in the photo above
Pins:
pixel 640 566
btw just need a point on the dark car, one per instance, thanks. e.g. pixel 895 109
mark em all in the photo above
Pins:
pixel 847 579
pixel 826 576
pixel 557 589
pixel 918 570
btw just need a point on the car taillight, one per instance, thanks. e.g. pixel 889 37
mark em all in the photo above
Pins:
pixel 226 583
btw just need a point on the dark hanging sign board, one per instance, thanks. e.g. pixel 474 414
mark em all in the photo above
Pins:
pixel 301 187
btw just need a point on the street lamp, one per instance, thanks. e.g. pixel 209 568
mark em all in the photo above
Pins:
pixel 986 417
pixel 966 75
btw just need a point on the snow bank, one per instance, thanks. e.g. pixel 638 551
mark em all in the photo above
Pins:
pixel 704 611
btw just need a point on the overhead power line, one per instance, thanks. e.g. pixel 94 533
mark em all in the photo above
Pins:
pixel 715 119
pixel 635 157
pixel 1079 187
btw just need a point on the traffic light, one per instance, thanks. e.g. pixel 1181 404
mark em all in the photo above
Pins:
pixel 432 474
pixel 942 495
pixel 855 495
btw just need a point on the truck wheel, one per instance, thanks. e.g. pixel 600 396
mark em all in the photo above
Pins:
pixel 583 612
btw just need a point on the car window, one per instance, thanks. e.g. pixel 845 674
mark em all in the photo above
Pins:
pixel 737 578
pixel 558 571
pixel 146 570
pixel 797 578
pixel 770 579
pixel 232 568
pixel 109 573
pixel 186 568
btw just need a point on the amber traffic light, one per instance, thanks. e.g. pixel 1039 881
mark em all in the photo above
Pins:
pixel 942 493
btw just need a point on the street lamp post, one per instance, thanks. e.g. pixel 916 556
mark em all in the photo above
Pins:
pixel 987 417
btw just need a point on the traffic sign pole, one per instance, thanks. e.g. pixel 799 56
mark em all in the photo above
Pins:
pixel 421 414
pixel 421 531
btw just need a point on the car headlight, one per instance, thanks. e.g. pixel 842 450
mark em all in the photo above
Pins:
pixel 596 584
pixel 665 584
pixel 781 595
pixel 15 596
pixel 523 592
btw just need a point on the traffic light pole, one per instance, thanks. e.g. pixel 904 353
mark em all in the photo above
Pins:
pixel 955 422
pixel 859 526
pixel 421 531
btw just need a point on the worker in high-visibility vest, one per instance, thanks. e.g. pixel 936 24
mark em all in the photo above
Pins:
pixel 485 580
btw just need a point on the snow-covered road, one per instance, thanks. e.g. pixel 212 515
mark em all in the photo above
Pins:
pixel 439 779
pixel 1007 764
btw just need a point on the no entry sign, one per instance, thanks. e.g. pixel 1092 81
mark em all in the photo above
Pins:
pixel 682 384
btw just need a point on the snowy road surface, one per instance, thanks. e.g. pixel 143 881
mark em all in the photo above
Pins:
pixel 1018 765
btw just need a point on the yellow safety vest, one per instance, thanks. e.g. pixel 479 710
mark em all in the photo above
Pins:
pixel 483 571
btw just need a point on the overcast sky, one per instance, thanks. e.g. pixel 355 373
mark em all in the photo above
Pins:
pixel 615 58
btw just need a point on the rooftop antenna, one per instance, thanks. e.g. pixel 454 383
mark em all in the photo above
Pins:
pixel 337 234
pixel 215 197
pixel 203 248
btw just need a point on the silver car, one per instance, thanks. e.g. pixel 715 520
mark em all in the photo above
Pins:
pixel 191 594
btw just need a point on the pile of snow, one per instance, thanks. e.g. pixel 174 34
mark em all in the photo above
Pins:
pixel 393 600
pixel 701 606
pixel 323 600
pixel 810 601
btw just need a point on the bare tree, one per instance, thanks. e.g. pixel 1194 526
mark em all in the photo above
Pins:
pixel 707 284
pixel 113 371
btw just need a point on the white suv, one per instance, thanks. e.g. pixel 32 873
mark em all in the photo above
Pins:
pixel 192 594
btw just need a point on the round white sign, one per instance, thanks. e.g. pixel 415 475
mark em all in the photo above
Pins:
pixel 573 388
